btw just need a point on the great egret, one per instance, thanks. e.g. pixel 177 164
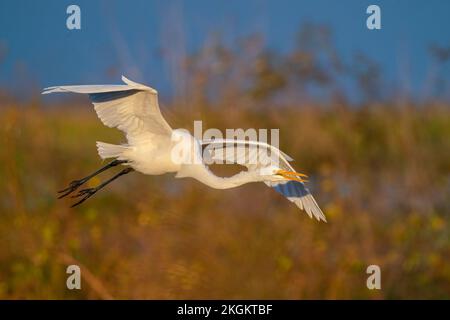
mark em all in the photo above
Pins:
pixel 133 108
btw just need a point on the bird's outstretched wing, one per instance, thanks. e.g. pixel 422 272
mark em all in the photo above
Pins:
pixel 132 108
pixel 256 155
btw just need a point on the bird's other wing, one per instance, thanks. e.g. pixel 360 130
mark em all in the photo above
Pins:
pixel 132 108
pixel 299 194
pixel 255 155
pixel 252 154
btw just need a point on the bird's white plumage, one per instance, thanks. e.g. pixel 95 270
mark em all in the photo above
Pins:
pixel 133 108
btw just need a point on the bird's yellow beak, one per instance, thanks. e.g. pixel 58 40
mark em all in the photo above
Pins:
pixel 292 175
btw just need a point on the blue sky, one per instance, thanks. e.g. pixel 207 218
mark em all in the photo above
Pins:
pixel 129 35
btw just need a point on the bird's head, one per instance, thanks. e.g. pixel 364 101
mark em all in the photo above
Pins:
pixel 275 173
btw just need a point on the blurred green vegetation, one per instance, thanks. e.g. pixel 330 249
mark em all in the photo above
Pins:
pixel 380 173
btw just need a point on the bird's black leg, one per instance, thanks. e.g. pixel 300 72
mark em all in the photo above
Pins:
pixel 87 193
pixel 74 185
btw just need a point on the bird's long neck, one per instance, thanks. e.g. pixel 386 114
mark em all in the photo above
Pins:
pixel 201 173
pixel 194 167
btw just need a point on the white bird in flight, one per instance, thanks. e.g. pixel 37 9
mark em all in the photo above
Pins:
pixel 133 108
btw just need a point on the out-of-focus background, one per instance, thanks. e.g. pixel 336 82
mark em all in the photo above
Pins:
pixel 364 112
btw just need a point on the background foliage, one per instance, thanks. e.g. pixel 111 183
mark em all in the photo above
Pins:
pixel 380 170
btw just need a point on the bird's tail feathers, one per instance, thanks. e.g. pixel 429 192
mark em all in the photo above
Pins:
pixel 107 150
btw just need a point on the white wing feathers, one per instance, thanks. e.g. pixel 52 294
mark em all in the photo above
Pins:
pixel 247 151
pixel 297 193
pixel 254 155
pixel 132 108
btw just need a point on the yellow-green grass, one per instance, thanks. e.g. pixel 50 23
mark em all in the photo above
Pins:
pixel 380 173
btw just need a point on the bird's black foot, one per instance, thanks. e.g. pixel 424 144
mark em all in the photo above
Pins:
pixel 85 194
pixel 74 185
pixel 89 192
